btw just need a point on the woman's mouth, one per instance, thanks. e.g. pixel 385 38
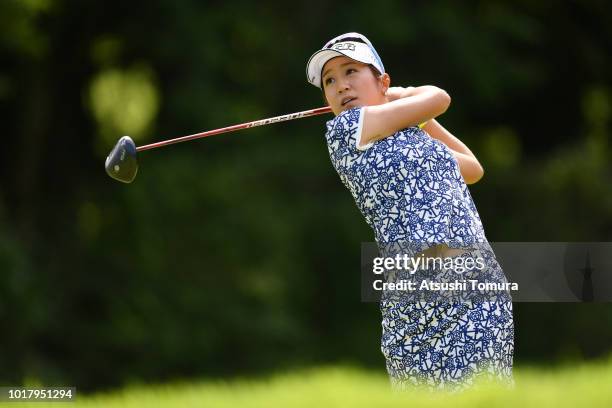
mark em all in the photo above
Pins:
pixel 347 100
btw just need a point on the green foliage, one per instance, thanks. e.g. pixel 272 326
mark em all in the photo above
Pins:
pixel 123 101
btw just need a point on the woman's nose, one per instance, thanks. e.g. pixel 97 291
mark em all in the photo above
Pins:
pixel 343 86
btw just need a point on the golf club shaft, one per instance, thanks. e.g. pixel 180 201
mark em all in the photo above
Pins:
pixel 247 125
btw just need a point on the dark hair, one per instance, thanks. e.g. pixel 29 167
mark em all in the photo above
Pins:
pixel 372 68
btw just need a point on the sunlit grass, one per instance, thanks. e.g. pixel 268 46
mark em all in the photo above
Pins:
pixel 584 385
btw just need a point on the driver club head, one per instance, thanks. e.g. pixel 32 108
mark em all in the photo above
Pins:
pixel 121 163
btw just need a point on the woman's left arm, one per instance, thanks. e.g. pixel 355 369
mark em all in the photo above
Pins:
pixel 470 168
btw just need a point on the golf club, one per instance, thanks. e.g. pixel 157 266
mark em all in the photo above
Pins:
pixel 122 164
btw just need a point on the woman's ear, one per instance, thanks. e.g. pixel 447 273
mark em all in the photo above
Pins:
pixel 385 82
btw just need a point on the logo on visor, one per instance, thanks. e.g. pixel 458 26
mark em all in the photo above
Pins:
pixel 344 46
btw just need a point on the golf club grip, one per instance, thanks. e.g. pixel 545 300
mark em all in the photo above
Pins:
pixel 262 122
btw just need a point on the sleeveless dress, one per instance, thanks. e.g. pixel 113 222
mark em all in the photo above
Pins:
pixel 409 189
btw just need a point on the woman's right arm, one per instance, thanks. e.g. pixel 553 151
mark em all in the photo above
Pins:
pixel 424 103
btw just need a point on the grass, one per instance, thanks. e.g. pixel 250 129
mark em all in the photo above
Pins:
pixel 584 385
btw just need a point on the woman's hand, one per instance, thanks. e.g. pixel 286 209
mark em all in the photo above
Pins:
pixel 397 92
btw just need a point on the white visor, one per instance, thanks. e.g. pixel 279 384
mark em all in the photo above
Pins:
pixel 357 51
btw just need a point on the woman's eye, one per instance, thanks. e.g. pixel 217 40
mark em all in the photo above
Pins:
pixel 351 70
pixel 328 81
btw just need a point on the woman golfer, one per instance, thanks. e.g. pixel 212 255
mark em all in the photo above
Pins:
pixel 408 177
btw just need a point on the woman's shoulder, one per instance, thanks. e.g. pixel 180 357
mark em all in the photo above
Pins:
pixel 345 130
pixel 345 120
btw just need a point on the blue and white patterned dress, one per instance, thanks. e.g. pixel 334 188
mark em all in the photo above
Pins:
pixel 409 188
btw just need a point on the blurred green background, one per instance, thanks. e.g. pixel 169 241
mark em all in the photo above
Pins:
pixel 239 255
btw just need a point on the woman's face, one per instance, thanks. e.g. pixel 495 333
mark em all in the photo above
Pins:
pixel 348 83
